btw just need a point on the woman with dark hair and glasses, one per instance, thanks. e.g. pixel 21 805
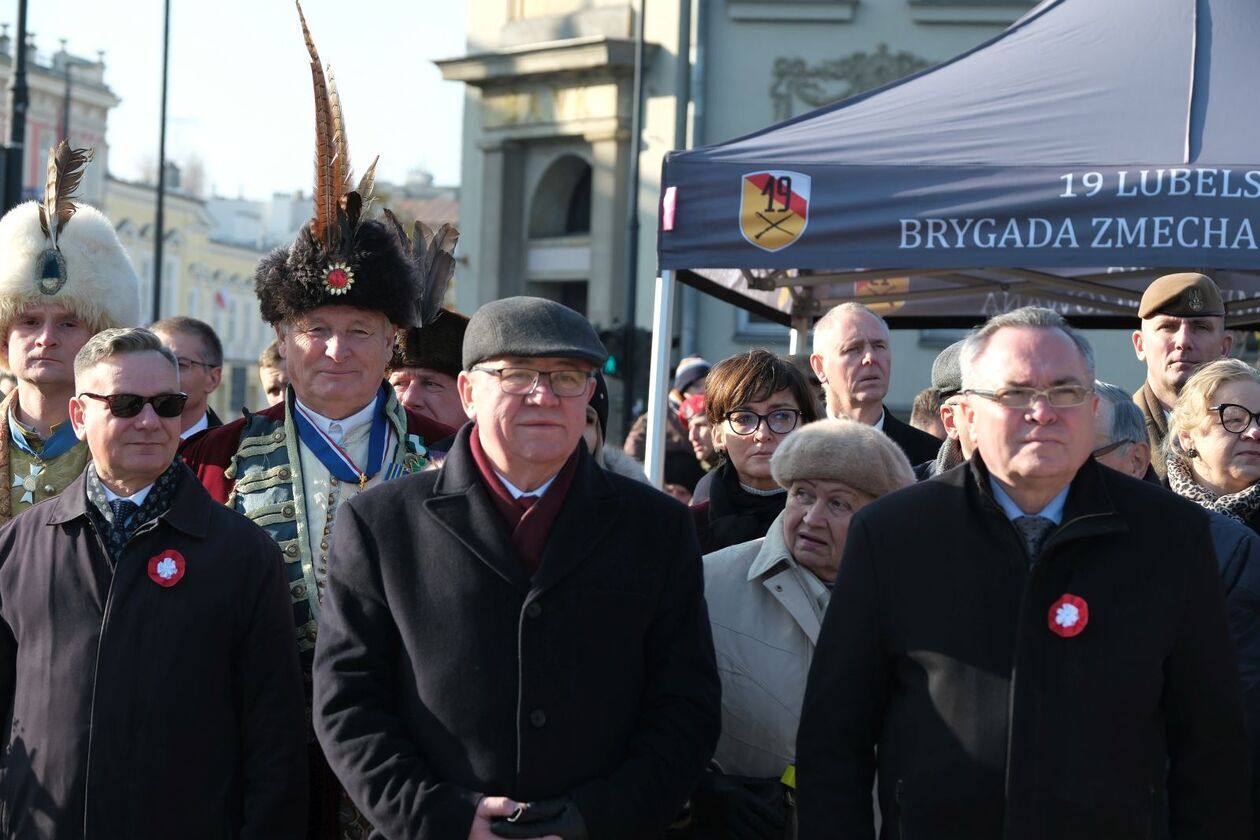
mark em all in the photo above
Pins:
pixel 753 401
pixel 1212 451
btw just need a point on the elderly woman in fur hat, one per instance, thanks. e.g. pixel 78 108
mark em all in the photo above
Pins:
pixel 766 602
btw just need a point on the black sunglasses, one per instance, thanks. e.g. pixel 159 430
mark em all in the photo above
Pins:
pixel 129 405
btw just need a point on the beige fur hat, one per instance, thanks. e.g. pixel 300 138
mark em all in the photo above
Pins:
pixel 852 453
pixel 76 262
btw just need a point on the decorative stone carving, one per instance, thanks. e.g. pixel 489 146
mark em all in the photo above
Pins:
pixel 837 79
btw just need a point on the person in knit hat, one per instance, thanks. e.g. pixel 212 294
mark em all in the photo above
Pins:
pixel 766 600
pixel 64 276
pixel 682 473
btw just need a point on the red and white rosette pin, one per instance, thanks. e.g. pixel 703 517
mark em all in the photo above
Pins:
pixel 1068 616
pixel 167 568
pixel 338 279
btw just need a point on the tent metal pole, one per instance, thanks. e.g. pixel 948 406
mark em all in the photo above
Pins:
pixel 658 387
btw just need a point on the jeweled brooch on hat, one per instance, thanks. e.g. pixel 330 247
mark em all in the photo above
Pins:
pixel 65 171
pixel 339 278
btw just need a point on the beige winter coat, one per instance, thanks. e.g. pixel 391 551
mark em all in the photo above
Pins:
pixel 765 611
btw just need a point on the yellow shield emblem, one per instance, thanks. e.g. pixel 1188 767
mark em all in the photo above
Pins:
pixel 774 208
pixel 883 286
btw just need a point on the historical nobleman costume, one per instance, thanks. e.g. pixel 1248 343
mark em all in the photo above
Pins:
pixel 62 252
pixel 289 468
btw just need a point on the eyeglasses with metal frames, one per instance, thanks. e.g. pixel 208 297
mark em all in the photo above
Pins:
pixel 1058 396
pixel 1236 418
pixel 522 381
pixel 186 364
pixel 129 405
pixel 745 422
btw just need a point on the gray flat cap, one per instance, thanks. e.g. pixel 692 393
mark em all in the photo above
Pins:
pixel 947 371
pixel 530 326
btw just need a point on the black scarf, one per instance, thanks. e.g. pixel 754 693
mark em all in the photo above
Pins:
pixel 115 535
pixel 735 515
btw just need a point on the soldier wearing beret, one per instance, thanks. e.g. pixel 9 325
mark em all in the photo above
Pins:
pixel 1183 328
pixel 518 633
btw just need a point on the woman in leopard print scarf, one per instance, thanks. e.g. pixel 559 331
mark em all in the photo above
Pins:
pixel 1213 446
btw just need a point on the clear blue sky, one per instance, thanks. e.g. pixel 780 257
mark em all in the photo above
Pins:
pixel 240 87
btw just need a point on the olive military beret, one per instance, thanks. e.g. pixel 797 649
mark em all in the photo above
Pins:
pixel 1184 295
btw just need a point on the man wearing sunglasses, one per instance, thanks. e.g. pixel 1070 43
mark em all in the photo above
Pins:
pixel 149 681
pixel 59 285
pixel 519 626
pixel 1032 645
pixel 200 356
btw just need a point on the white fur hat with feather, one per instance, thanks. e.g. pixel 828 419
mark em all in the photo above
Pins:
pixel 60 251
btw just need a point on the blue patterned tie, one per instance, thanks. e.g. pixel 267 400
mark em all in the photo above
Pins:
pixel 123 510
pixel 1034 530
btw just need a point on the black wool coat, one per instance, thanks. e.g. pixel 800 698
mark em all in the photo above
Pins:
pixel 443 673
pixel 937 649
pixel 918 445
pixel 138 711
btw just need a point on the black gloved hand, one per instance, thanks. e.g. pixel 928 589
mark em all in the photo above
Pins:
pixel 739 807
pixel 538 819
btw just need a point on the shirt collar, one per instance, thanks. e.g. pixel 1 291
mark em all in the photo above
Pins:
pixel 518 492
pixel 349 425
pixel 138 497
pixel 1052 511
pixel 203 423
pixel 878 424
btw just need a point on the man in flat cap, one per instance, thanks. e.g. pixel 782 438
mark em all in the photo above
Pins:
pixel 61 281
pixel 518 626
pixel 1183 328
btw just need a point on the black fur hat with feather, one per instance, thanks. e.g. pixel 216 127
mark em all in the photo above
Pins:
pixel 340 257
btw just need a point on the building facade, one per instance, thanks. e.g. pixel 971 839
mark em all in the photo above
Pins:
pixel 547 122
pixel 67 92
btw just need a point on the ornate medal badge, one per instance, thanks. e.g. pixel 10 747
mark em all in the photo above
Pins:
pixel 1068 616
pixel 338 279
pixel 167 568
pixel 1194 300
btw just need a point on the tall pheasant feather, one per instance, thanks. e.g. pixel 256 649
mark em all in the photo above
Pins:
pixel 328 187
pixel 65 171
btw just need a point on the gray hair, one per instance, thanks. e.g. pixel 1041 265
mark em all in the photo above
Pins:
pixel 1127 423
pixel 121 341
pixel 1028 316
pixel 827 324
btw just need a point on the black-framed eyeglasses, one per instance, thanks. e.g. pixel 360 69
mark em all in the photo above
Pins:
pixel 780 421
pixel 129 405
pixel 1060 396
pixel 186 364
pixel 1109 448
pixel 522 381
pixel 1236 418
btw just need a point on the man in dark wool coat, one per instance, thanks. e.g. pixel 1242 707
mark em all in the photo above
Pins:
pixel 516 644
pixel 1043 653
pixel 148 678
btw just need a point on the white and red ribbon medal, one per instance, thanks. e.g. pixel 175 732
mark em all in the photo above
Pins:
pixel 167 568
pixel 1068 616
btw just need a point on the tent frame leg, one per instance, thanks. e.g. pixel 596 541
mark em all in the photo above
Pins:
pixel 658 387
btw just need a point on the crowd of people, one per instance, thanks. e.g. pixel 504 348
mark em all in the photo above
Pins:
pixel 420 595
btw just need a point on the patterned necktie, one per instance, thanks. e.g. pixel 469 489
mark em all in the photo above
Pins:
pixel 123 510
pixel 1034 530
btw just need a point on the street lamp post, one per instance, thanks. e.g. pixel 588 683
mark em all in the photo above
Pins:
pixel 160 220
pixel 19 99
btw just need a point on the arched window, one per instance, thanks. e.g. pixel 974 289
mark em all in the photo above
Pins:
pixel 562 201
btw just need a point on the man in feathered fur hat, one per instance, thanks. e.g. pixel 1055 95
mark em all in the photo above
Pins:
pixel 336 297
pixel 64 276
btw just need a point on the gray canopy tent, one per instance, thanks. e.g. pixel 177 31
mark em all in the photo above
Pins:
pixel 1064 162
